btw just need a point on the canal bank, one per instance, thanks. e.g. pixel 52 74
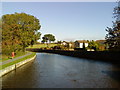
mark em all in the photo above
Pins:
pixel 15 63
pixel 106 56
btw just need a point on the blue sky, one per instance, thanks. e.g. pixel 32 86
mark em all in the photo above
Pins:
pixel 68 20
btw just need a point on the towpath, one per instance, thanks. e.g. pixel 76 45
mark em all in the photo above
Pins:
pixel 14 59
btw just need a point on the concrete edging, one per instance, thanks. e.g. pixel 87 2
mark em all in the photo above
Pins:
pixel 14 66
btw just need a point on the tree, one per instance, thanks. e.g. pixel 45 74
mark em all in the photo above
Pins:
pixel 45 39
pixel 19 30
pixel 0 30
pixel 93 45
pixel 83 45
pixel 48 37
pixel 113 36
pixel 59 42
pixel 0 36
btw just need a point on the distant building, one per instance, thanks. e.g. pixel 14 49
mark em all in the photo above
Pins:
pixel 79 43
pixel 64 43
pixel 68 44
pixel 71 44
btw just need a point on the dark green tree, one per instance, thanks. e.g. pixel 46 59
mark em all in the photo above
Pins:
pixel 83 45
pixel 59 42
pixel 0 36
pixel 45 39
pixel 113 36
pixel 0 31
pixel 48 38
pixel 19 30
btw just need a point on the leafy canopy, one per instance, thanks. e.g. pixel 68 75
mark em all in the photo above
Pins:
pixel 19 30
pixel 113 36
pixel 48 37
pixel 93 45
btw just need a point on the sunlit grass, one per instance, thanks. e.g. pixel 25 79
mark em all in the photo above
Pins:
pixel 42 45
pixel 5 57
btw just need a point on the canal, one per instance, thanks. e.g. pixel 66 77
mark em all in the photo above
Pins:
pixel 57 71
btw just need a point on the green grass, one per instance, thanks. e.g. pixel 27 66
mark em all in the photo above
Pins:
pixel 5 57
pixel 42 45
pixel 19 60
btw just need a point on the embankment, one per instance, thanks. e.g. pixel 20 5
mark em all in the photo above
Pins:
pixel 106 56
pixel 14 66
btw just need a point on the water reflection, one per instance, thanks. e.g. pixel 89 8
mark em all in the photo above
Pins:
pixel 113 74
pixel 56 71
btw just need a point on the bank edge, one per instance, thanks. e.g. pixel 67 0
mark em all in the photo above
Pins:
pixel 15 66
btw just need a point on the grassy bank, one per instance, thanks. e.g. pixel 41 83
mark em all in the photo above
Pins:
pixel 5 57
pixel 16 61
pixel 42 45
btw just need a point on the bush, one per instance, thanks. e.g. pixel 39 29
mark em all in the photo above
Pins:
pixel 56 47
pixel 80 49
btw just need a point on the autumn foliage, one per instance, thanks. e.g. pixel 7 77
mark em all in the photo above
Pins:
pixel 19 30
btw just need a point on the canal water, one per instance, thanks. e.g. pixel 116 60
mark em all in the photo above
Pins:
pixel 57 71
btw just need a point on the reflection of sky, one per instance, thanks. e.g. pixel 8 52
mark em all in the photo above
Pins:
pixel 68 21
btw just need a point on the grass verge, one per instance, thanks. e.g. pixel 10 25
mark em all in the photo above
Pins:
pixel 19 60
pixel 5 57
pixel 42 45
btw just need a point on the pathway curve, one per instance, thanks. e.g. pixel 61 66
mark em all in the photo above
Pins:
pixel 11 60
